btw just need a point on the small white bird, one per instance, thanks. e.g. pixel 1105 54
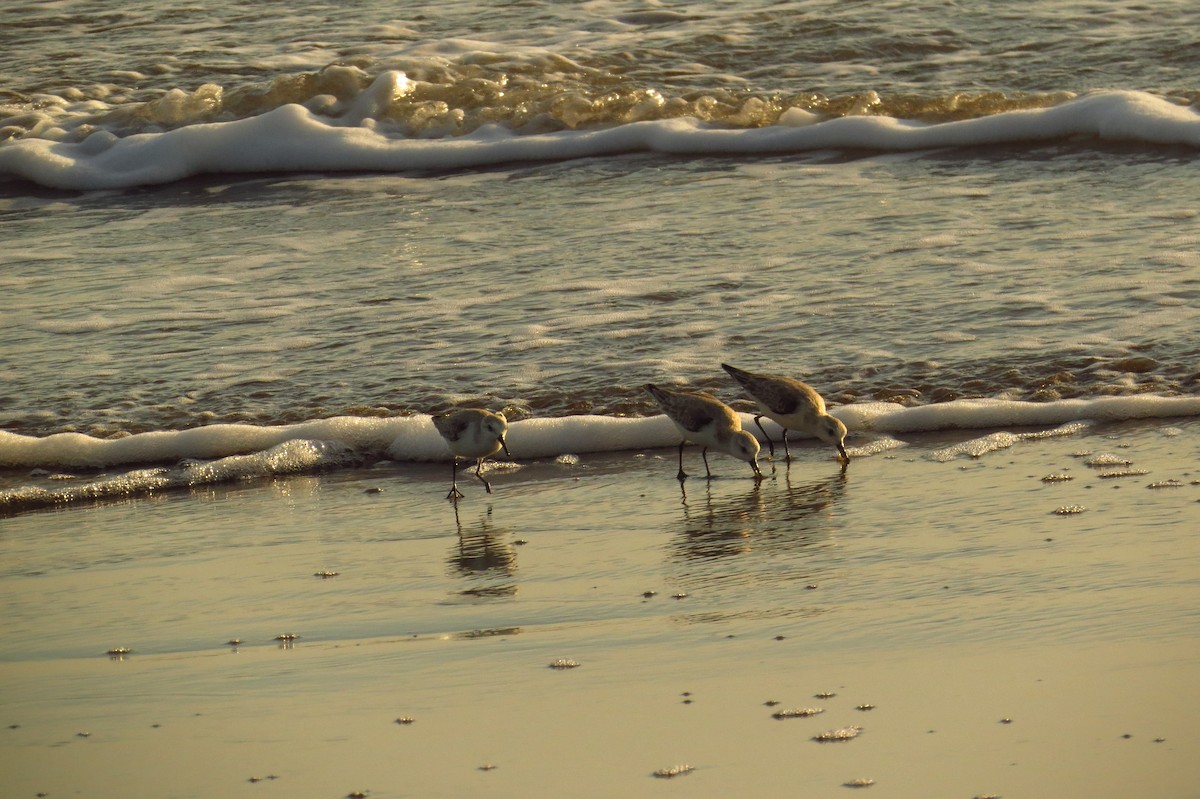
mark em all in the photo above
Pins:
pixel 471 433
pixel 705 420
pixel 793 406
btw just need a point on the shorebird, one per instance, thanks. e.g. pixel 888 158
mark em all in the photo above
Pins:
pixel 705 420
pixel 471 433
pixel 793 406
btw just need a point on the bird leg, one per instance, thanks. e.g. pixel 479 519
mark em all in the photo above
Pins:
pixel 482 479
pixel 704 454
pixel 770 444
pixel 454 494
pixel 787 453
pixel 682 474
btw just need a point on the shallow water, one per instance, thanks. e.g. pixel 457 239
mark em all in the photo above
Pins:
pixel 891 207
pixel 920 279
pixel 861 559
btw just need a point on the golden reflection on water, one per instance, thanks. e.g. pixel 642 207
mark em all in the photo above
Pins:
pixel 776 536
pixel 483 555
pixel 775 517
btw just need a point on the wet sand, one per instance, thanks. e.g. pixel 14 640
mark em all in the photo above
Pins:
pixel 1004 649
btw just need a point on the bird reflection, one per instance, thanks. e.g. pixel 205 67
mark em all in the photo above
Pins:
pixel 771 517
pixel 717 529
pixel 483 556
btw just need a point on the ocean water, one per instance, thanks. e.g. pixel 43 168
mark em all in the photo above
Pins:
pixel 247 249
pixel 215 217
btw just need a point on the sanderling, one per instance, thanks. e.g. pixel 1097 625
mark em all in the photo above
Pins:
pixel 471 433
pixel 793 406
pixel 705 420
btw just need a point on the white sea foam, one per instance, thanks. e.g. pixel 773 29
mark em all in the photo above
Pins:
pixel 413 438
pixel 292 138
pixel 978 447
pixel 76 450
pixel 290 457
pixel 984 413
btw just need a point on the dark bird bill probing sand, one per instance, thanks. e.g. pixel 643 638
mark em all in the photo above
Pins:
pixel 793 406
pixel 471 433
pixel 705 420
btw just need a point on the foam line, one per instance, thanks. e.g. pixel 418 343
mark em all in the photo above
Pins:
pixel 413 438
pixel 291 138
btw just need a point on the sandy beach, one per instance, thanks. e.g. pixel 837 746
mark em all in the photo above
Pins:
pixel 977 640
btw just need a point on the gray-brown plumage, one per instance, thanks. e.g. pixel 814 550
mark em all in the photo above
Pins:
pixel 793 406
pixel 703 419
pixel 471 433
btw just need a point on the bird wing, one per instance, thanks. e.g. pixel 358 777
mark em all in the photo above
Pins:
pixel 451 426
pixel 691 410
pixel 784 396
pixel 693 416
pixel 778 398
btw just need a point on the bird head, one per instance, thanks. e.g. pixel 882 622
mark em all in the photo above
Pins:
pixel 497 427
pixel 831 430
pixel 745 446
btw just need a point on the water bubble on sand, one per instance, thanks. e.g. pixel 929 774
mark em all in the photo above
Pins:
pixel 798 713
pixel 565 663
pixel 1068 510
pixel 838 735
pixel 674 771
pixel 1057 478
pixel 1123 473
pixel 1106 459
pixel 859 782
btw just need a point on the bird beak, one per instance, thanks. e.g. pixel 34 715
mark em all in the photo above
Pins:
pixel 505 447
pixel 842 453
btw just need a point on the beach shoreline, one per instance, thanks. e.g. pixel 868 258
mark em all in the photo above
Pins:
pixel 949 592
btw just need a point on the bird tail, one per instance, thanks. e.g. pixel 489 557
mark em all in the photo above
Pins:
pixel 663 397
pixel 737 374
